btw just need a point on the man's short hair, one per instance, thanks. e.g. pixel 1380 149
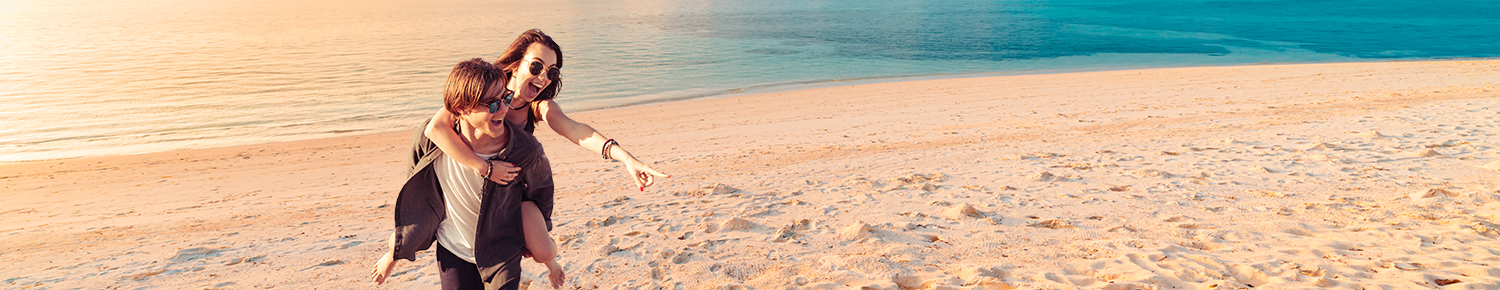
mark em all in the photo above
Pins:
pixel 468 83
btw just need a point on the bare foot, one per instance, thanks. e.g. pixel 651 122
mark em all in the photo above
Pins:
pixel 382 268
pixel 555 273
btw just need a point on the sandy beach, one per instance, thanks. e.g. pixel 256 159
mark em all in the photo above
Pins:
pixel 1381 175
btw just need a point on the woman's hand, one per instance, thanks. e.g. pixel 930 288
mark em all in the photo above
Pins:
pixel 642 174
pixel 504 172
pixel 382 268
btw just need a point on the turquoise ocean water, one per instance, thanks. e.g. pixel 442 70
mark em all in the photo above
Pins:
pixel 88 78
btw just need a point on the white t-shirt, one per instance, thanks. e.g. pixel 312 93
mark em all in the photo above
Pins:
pixel 462 188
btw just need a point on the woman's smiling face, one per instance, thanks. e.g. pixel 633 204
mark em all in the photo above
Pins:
pixel 534 73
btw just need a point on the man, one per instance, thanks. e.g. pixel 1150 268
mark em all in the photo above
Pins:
pixel 477 224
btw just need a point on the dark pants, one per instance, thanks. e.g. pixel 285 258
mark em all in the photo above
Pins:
pixel 457 274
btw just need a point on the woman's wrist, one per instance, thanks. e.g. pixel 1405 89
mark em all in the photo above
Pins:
pixel 489 169
pixel 608 149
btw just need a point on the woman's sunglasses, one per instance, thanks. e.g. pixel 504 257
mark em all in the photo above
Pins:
pixel 495 104
pixel 553 72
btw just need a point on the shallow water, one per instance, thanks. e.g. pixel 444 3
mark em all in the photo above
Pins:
pixel 88 78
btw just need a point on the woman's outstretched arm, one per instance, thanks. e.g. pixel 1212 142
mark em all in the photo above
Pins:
pixel 440 131
pixel 588 138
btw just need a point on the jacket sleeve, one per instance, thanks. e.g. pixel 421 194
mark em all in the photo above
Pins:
pixel 538 174
pixel 423 151
pixel 419 212
pixel 419 205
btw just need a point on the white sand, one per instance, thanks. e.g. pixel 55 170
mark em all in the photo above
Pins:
pixel 1366 175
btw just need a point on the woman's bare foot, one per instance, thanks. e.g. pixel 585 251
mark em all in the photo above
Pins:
pixel 555 273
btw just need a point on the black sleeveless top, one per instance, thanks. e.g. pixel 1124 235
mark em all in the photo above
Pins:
pixel 531 120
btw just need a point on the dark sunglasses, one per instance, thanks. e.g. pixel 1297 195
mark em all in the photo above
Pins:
pixel 495 104
pixel 553 72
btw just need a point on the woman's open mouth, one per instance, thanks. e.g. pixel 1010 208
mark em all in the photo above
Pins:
pixel 532 90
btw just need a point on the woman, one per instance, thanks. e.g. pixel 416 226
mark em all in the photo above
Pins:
pixel 533 62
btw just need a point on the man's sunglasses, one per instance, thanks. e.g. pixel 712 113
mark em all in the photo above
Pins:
pixel 495 104
pixel 553 72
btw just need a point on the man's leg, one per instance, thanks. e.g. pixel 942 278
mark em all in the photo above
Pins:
pixel 457 274
pixel 509 277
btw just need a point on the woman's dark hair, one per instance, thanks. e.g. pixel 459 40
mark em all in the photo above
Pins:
pixel 510 60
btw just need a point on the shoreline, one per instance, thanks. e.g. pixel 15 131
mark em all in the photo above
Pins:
pixel 1315 175
pixel 820 84
pixel 792 86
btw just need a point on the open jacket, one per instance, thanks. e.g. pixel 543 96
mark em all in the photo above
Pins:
pixel 499 240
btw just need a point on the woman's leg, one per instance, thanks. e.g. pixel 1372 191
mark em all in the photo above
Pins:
pixel 538 242
pixel 455 273
pixel 543 249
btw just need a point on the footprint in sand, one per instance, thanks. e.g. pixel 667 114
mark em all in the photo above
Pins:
pixel 1053 224
pixel 984 277
pixel 1178 219
pixel 606 250
pixel 719 188
pixel 711 189
pixel 1485 228
pixel 919 177
pixel 755 211
pixel 1330 158
pixel 682 257
pixel 1435 192
pixel 607 221
pixel 1266 193
pixel 1046 177
pixel 1320 146
pixel 961 211
pixel 709 227
pixel 1123 228
pixel 245 260
pixel 785 234
pixel 1426 153
pixel 1372 134
pixel 737 224
pixel 1149 173
pixel 856 232
pixel 617 201
pixel 1034 155
pixel 1433 197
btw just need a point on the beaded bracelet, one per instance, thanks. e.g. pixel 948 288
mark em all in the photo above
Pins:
pixel 607 145
pixel 491 171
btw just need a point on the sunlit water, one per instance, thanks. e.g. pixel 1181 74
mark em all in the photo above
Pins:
pixel 89 78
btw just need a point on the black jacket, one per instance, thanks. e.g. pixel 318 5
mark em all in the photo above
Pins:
pixel 499 240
